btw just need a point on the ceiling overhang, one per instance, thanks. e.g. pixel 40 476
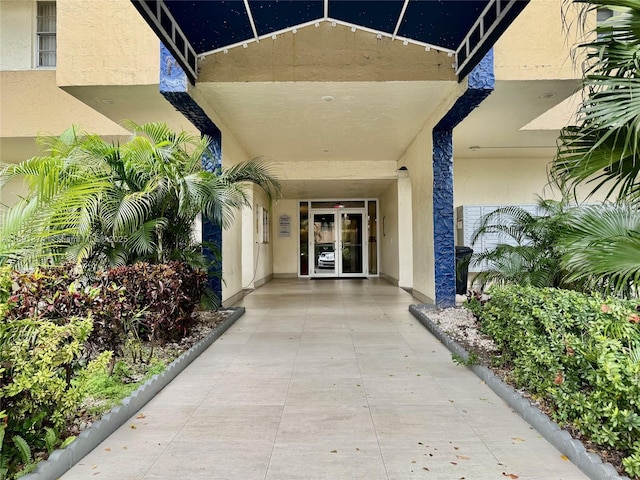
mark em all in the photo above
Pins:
pixel 465 29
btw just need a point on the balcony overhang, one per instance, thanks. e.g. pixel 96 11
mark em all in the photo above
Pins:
pixel 464 29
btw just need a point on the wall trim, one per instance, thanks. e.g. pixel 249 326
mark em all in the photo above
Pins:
pixel 232 300
pixel 262 281
pixel 393 281
pixel 422 297
pixel 286 275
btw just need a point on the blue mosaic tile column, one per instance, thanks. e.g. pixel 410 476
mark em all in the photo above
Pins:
pixel 443 224
pixel 481 83
pixel 174 87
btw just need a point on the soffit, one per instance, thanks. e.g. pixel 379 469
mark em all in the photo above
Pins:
pixel 292 121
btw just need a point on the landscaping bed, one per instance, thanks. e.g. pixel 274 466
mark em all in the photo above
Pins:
pixel 133 374
pixel 573 356
pixel 73 347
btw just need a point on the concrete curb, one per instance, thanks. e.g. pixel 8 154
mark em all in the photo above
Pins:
pixel 62 460
pixel 590 463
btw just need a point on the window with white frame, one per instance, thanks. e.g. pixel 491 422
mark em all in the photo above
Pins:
pixel 46 34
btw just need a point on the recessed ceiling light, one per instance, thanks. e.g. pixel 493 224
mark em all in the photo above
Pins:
pixel 328 98
pixel 326 150
pixel 548 95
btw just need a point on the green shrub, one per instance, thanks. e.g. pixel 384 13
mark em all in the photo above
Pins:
pixel 5 290
pixel 41 381
pixel 580 353
pixel 148 301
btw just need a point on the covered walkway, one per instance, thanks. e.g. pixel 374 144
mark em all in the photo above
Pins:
pixel 325 379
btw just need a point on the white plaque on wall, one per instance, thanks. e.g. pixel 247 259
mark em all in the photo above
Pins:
pixel 284 226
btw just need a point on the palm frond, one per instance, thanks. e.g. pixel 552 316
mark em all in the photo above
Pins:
pixel 603 148
pixel 257 171
pixel 602 247
pixel 143 240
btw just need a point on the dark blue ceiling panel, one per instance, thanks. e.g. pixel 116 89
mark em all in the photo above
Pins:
pixel 444 22
pixel 380 15
pixel 271 16
pixel 211 24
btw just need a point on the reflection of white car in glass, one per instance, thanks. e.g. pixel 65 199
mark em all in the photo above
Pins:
pixel 326 260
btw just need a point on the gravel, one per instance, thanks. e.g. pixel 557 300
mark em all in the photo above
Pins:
pixel 461 325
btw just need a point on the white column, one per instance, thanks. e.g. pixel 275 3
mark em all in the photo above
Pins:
pixel 405 231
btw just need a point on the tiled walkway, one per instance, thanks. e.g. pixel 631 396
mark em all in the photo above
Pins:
pixel 325 379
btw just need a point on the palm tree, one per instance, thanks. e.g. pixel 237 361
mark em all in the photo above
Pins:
pixel 601 248
pixel 603 148
pixel 102 205
pixel 530 253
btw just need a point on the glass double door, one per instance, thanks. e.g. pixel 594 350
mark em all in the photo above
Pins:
pixel 338 243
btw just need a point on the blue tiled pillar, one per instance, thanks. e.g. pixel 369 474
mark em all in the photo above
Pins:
pixel 443 224
pixel 174 87
pixel 481 83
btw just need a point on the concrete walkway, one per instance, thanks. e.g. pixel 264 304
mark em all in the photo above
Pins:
pixel 325 379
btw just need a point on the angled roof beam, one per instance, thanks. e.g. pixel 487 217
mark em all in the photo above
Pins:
pixel 253 24
pixel 400 18
pixel 493 21
pixel 166 27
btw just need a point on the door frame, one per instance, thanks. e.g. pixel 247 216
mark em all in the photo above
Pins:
pixel 373 229
pixel 337 247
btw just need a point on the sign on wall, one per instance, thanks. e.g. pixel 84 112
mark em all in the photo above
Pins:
pixel 284 224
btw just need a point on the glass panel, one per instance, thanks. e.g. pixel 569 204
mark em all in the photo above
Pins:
pixel 324 238
pixel 47 51
pixel 373 238
pixel 352 242
pixel 46 17
pixel 304 238
pixel 46 32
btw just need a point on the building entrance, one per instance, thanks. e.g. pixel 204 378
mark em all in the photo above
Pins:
pixel 338 238
pixel 338 243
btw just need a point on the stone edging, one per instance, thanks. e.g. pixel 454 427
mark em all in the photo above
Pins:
pixel 590 463
pixel 62 460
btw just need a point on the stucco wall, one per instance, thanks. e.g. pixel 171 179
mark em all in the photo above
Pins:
pixel 232 153
pixel 17 34
pixel 540 32
pixel 388 240
pixel 343 169
pixel 262 258
pixel 11 192
pixel 46 109
pixel 501 181
pixel 285 249
pixel 125 53
pixel 246 261
pixel 405 231
pixel 418 160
